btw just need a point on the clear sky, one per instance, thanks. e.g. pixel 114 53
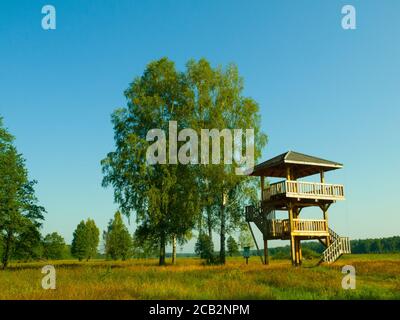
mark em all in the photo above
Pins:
pixel 322 90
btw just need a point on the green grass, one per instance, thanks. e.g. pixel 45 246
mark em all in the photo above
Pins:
pixel 378 277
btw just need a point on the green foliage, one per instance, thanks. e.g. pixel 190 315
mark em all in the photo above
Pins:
pixel 117 240
pixel 67 252
pixel 54 246
pixel 79 241
pixel 144 249
pixel 92 238
pixel 232 246
pixel 315 246
pixel 218 102
pixel 378 245
pixel 28 244
pixel 309 250
pixel 143 245
pixel 308 253
pixel 280 254
pixel 19 212
pixel 164 197
pixel 168 199
pixel 383 245
pixel 245 238
pixel 85 240
pixel 205 248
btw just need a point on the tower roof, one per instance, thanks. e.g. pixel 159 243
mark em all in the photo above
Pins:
pixel 301 165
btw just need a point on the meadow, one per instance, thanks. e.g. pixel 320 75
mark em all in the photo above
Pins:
pixel 377 277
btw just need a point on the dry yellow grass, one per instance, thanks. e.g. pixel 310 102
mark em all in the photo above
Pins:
pixel 378 277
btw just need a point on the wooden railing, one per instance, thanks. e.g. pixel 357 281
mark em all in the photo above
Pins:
pixel 278 228
pixel 309 226
pixel 340 246
pixel 302 189
pixel 281 228
pixel 274 189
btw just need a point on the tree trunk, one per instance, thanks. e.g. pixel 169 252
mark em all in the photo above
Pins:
pixel 162 250
pixel 209 223
pixel 200 223
pixel 173 249
pixel 222 236
pixel 7 249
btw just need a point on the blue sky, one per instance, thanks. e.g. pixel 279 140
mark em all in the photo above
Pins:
pixel 322 90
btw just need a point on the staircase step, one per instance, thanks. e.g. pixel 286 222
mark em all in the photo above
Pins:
pixel 341 245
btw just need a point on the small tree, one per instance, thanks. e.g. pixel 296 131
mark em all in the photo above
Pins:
pixel 117 240
pixel 79 241
pixel 205 248
pixel 92 236
pixel 233 248
pixel 86 240
pixel 53 246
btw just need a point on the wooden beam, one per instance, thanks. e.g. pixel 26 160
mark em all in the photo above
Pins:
pixel 325 213
pixel 300 253
pixel 293 250
pixel 288 174
pixel 322 242
pixel 266 258
pixel 262 186
pixel 255 242
pixel 292 239
pixel 322 175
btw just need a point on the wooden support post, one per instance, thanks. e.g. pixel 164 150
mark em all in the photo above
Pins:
pixel 255 241
pixel 262 187
pixel 296 214
pixel 266 258
pixel 325 211
pixel 292 238
pixel 322 175
pixel 328 238
pixel 290 213
pixel 288 174
pixel 293 250
pixel 298 251
pixel 300 254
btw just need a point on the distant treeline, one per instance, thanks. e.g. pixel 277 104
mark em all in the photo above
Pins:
pixel 383 245
pixel 310 249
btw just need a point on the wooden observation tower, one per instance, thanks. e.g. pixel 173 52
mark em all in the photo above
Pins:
pixel 293 195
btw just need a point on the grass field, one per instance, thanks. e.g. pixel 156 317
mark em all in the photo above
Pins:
pixel 377 277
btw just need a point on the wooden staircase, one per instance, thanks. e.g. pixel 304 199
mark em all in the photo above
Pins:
pixel 265 219
pixel 339 245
